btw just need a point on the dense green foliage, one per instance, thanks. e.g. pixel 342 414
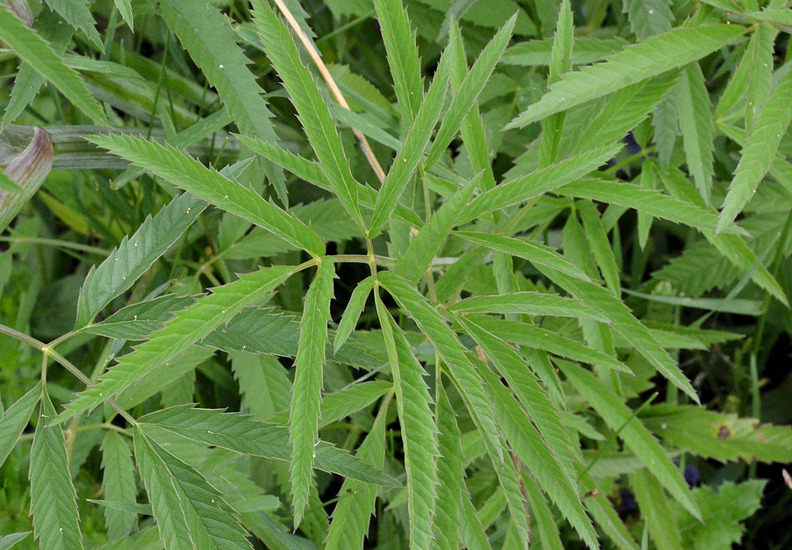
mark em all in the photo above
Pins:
pixel 395 273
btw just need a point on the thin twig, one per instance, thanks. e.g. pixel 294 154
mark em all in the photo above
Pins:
pixel 328 78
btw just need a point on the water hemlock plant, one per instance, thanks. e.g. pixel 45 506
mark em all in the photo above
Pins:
pixel 395 273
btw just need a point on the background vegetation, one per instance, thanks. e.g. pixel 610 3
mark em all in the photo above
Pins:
pixel 461 274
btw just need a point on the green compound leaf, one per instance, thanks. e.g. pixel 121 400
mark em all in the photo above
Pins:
pixel 311 107
pixel 634 434
pixel 185 328
pixel 39 55
pixel 544 415
pixel 77 13
pixel 189 512
pixel 720 436
pixel 651 57
pixel 132 258
pixel 534 337
pixel 208 184
pixel 537 460
pixel 536 253
pixel 759 152
pixel 418 430
pixel 53 500
pixel 312 173
pixel 307 388
pixel 453 353
pixel 242 434
pixel 15 419
pixel 625 324
pixel 9 541
pixel 647 201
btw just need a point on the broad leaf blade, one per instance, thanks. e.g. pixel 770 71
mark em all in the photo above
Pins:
pixel 653 56
pixel 418 430
pixel 132 258
pixel 208 184
pixel 307 388
pixel 186 327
